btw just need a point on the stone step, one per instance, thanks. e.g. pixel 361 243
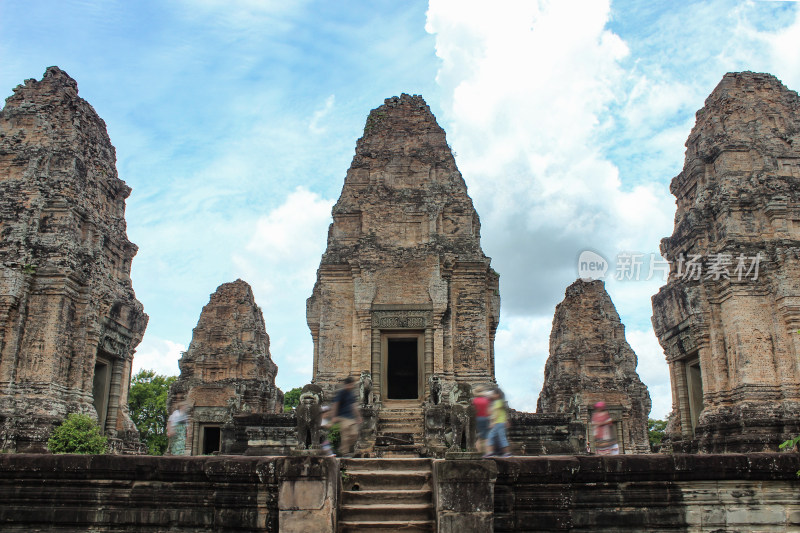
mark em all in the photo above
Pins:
pixel 386 512
pixel 396 439
pixel 409 419
pixel 377 464
pixel 382 526
pixel 377 497
pixel 416 427
pixel 411 452
pixel 387 480
pixel 400 412
pixel 399 431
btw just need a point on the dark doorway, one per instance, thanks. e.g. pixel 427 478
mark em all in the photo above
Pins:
pixel 402 370
pixel 694 385
pixel 101 387
pixel 211 440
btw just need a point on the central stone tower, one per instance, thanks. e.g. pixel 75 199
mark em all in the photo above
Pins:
pixel 404 290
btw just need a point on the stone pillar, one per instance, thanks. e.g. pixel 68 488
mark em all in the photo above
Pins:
pixel 464 495
pixel 315 339
pixel 113 397
pixel 307 494
pixel 429 367
pixel 376 364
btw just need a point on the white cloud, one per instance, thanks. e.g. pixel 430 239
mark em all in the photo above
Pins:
pixel 280 262
pixel 531 86
pixel 652 369
pixel 284 250
pixel 784 50
pixel 524 341
pixel 157 354
pixel 320 115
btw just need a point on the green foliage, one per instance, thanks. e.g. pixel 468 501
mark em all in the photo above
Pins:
pixel 147 402
pixel 78 434
pixel 335 437
pixel 656 429
pixel 790 445
pixel 29 269
pixel 374 118
pixel 291 399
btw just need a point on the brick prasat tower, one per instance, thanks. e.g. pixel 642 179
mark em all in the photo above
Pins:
pixel 69 319
pixel 729 314
pixel 404 290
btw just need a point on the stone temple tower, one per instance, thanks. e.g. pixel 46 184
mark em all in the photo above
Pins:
pixel 69 319
pixel 729 314
pixel 404 290
pixel 591 361
pixel 227 369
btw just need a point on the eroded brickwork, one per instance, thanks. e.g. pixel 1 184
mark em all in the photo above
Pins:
pixel 227 369
pixel 69 319
pixel 730 332
pixel 590 361
pixel 404 258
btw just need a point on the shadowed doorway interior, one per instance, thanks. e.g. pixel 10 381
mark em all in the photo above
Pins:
pixel 402 368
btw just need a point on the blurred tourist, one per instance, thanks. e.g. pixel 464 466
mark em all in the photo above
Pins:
pixel 176 429
pixel 605 442
pixel 345 411
pixel 327 448
pixel 498 442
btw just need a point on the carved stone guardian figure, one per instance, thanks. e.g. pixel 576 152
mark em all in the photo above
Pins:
pixel 309 418
pixel 462 418
pixel 366 388
pixel 435 384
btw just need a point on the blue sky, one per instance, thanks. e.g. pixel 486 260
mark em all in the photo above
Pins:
pixel 235 122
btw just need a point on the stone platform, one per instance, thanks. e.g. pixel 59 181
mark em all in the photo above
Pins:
pixel 630 493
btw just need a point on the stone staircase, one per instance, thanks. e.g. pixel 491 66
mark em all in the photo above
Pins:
pixel 400 430
pixel 386 496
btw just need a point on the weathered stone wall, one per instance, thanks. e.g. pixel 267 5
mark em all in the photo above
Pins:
pixel 546 434
pixel 591 361
pixel 626 493
pixel 729 330
pixel 260 434
pixel 69 319
pixel 687 493
pixel 404 256
pixel 141 494
pixel 227 369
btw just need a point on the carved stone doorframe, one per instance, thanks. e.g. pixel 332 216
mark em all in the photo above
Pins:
pixel 401 321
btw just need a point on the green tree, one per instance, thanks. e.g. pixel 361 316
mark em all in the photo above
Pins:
pixel 291 399
pixel 77 434
pixel 656 429
pixel 147 401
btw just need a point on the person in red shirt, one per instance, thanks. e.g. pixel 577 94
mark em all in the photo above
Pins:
pixel 605 441
pixel 481 403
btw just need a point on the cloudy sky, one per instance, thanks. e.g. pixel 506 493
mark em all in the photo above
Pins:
pixel 235 122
